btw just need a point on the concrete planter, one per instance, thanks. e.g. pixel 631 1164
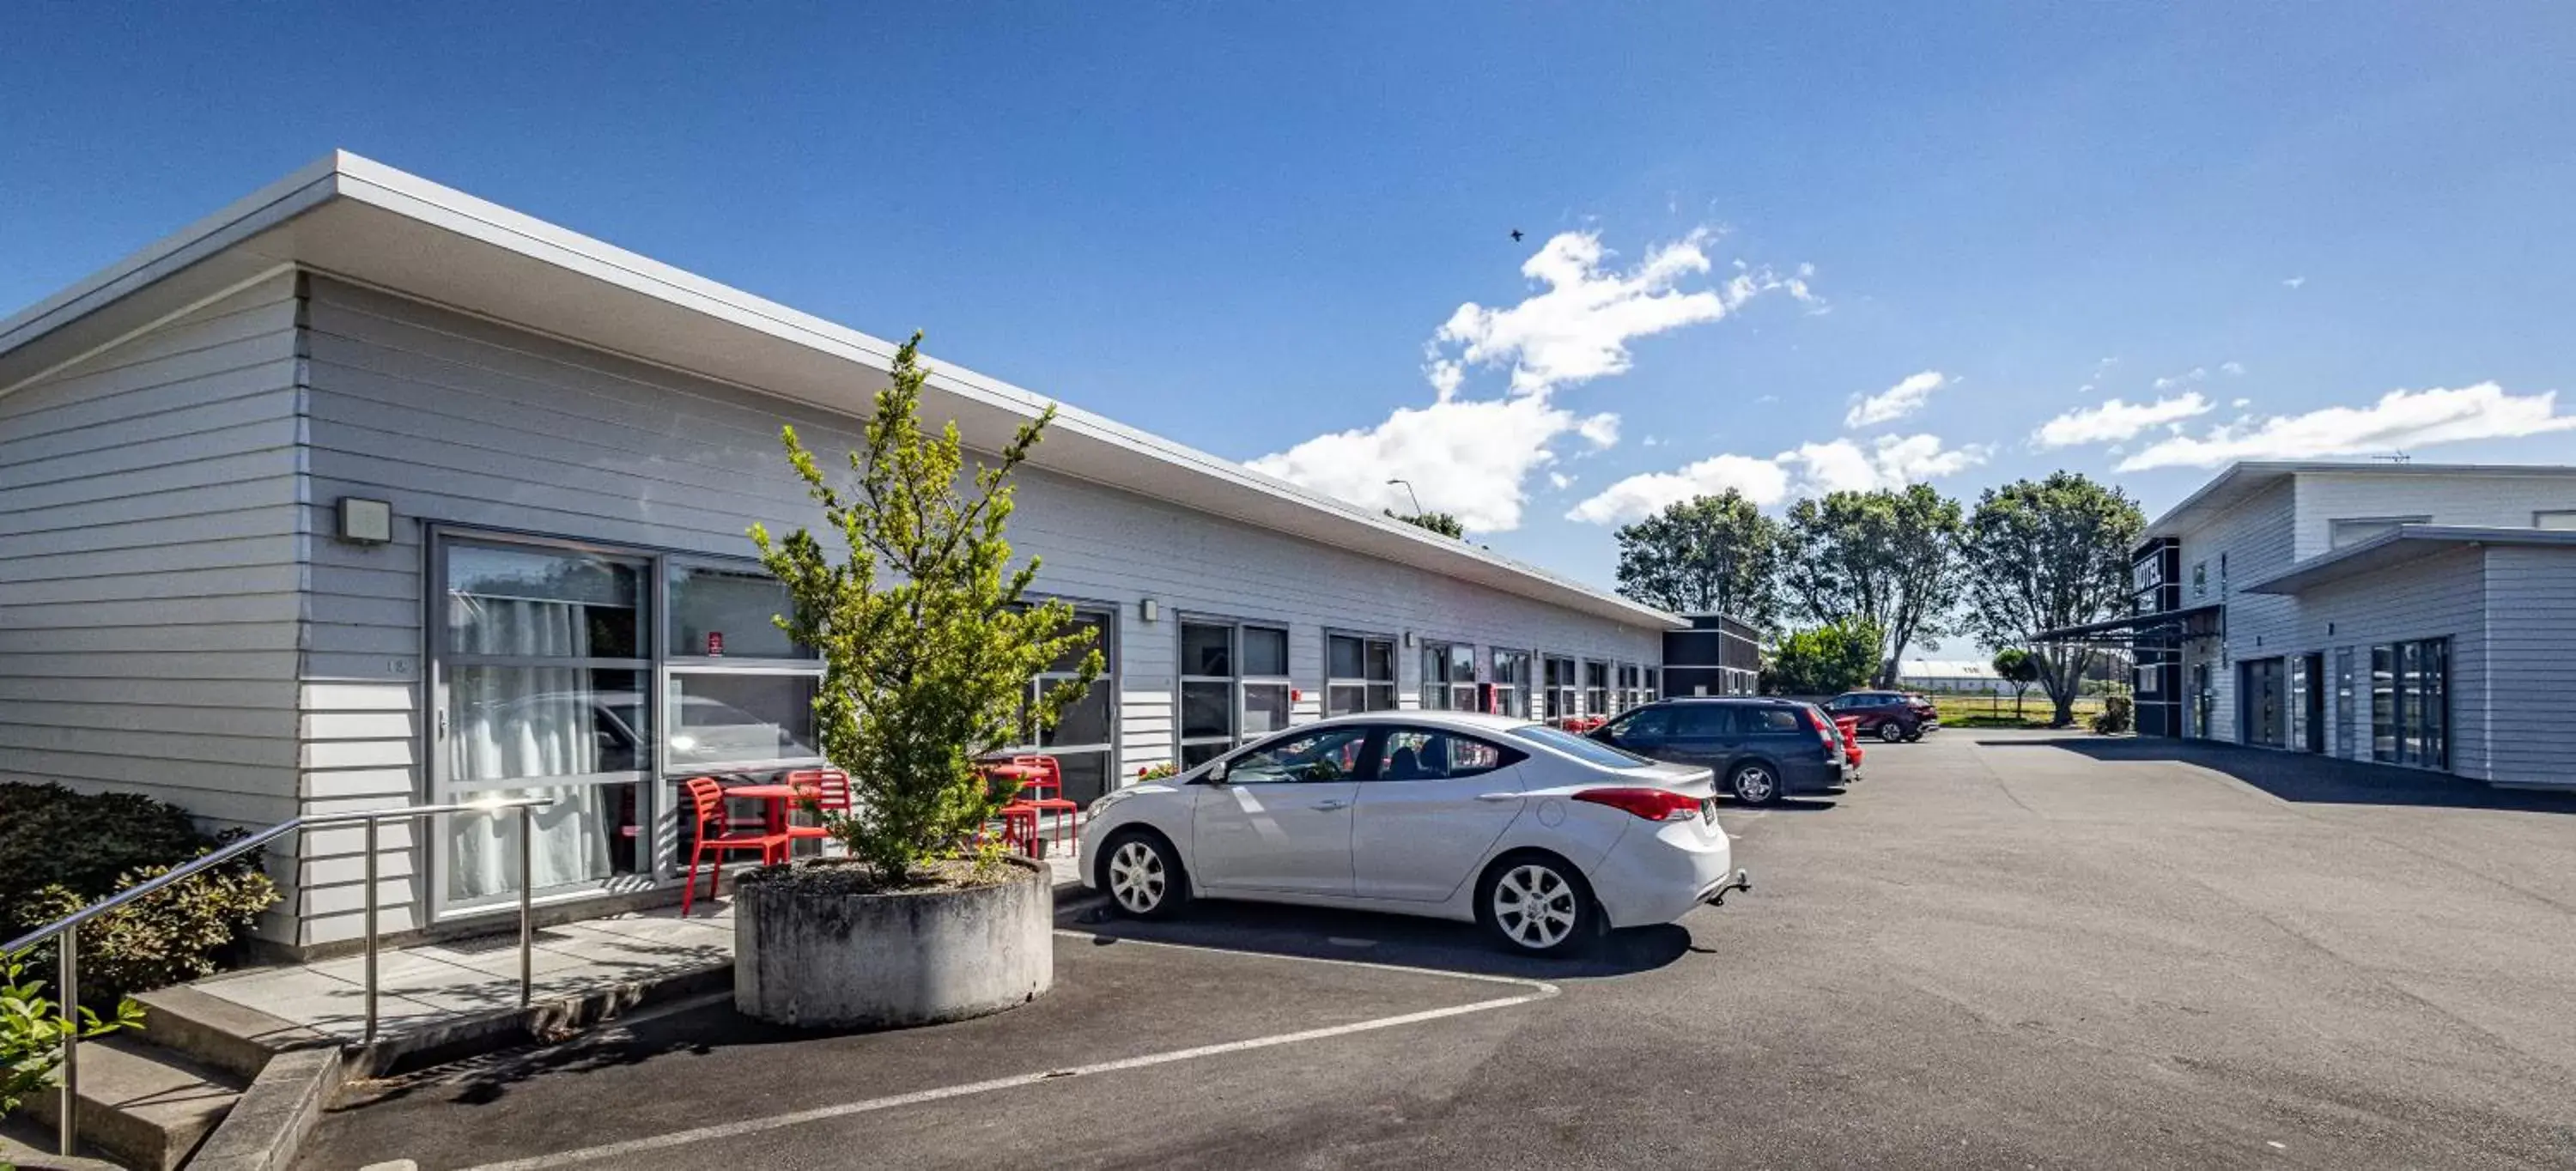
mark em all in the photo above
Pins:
pixel 812 951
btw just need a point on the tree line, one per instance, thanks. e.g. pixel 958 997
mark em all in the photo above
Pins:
pixel 1858 577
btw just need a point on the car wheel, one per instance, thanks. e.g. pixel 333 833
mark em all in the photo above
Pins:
pixel 1890 731
pixel 1538 904
pixel 1143 876
pixel 1753 783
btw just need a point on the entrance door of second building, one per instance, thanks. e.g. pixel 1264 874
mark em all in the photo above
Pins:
pixel 2262 704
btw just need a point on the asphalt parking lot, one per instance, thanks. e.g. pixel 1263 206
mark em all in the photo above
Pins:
pixel 2001 949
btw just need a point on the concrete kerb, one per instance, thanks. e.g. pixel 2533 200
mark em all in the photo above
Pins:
pixel 304 1074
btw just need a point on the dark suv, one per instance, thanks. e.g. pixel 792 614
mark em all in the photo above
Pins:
pixel 1889 715
pixel 1759 748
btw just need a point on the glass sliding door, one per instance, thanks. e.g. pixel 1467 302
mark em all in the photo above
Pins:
pixel 1512 683
pixel 541 676
pixel 1560 687
pixel 1596 687
pixel 1233 686
pixel 2410 703
pixel 738 694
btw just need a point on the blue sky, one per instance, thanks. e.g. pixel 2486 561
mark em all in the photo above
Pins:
pixel 1254 230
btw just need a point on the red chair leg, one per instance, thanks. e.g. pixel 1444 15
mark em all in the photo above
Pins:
pixel 690 892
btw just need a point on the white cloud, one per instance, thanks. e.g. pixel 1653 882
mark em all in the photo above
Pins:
pixel 2240 404
pixel 1897 401
pixel 1763 481
pixel 1559 481
pixel 2294 282
pixel 1467 457
pixel 2400 419
pixel 1473 457
pixel 1578 327
pixel 2231 369
pixel 1889 461
pixel 2113 420
pixel 2195 374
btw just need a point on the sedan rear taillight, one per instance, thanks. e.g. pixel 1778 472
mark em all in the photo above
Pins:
pixel 1651 804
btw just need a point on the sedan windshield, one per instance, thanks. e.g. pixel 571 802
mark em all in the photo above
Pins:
pixel 1583 749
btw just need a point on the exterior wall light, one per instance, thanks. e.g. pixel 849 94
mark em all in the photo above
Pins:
pixel 366 522
pixel 1147 609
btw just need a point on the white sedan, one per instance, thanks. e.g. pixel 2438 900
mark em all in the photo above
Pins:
pixel 1543 836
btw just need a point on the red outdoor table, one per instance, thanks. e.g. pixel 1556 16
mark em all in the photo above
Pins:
pixel 777 796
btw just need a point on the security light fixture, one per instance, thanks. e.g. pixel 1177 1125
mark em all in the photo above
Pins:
pixel 366 522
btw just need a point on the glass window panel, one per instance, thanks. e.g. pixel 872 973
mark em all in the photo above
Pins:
pixel 1194 755
pixel 1084 721
pixel 2383 703
pixel 1206 710
pixel 1265 708
pixel 1579 747
pixel 1417 755
pixel 1462 697
pixel 589 834
pixel 1343 700
pixel 541 602
pixel 1381 660
pixel 1704 719
pixel 1381 697
pixel 722 610
pixel 1206 650
pixel 1341 656
pixel 1462 664
pixel 1265 651
pixel 1097 626
pixel 1086 775
pixel 505 723
pixel 738 719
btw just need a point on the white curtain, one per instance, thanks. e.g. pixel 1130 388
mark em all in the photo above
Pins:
pixel 531 722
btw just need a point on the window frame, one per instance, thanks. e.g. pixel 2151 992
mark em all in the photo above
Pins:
pixel 1512 698
pixel 1596 699
pixel 2334 525
pixel 1367 770
pixel 2568 514
pixel 1109 646
pixel 1560 697
pixel 1238 685
pixel 1392 683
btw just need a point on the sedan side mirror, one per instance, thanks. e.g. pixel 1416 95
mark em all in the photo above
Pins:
pixel 1215 774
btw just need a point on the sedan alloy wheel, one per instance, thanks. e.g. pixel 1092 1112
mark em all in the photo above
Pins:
pixel 1535 907
pixel 1141 880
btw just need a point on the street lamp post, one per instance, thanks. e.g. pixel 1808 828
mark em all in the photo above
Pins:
pixel 1408 491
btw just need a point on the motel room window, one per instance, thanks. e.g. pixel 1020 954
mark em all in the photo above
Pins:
pixel 1359 674
pixel 1560 687
pixel 1448 676
pixel 601 677
pixel 1631 687
pixel 1084 739
pixel 2200 579
pixel 2410 708
pixel 2561 519
pixel 1511 683
pixel 1596 688
pixel 1234 686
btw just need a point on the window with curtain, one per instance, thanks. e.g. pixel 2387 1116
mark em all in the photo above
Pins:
pixel 543 665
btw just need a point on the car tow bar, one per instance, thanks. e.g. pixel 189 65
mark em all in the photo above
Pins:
pixel 1743 881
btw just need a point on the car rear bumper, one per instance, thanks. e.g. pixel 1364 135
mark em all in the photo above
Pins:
pixel 1658 873
pixel 1818 777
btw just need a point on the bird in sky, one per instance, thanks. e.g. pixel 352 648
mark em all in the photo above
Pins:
pixel 1516 235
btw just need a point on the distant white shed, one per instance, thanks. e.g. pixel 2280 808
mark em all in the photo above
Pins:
pixel 1951 675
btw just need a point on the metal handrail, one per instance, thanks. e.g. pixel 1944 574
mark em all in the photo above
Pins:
pixel 67 993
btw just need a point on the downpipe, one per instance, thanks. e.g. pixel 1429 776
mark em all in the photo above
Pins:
pixel 1742 881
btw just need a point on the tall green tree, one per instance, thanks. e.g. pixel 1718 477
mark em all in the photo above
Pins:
pixel 2013 665
pixel 1827 660
pixel 930 671
pixel 2045 554
pixel 1706 555
pixel 1888 558
pixel 1443 523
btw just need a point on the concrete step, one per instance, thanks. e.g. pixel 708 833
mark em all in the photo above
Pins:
pixel 143 1106
pixel 231 1037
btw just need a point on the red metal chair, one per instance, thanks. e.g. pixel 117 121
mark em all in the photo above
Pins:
pixel 1045 792
pixel 832 795
pixel 706 798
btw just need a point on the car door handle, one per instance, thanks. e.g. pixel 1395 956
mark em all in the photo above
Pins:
pixel 1498 796
pixel 1331 803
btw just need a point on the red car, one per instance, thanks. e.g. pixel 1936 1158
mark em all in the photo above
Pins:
pixel 1889 715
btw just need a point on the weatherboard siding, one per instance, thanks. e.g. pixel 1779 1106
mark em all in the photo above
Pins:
pixel 149 589
pixel 2443 596
pixel 2254 539
pixel 464 422
pixel 2531 661
pixel 2448 499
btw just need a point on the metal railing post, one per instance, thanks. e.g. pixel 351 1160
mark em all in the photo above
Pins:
pixel 68 948
pixel 371 930
pixel 527 885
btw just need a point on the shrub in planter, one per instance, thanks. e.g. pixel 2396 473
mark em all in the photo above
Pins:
pixel 930 652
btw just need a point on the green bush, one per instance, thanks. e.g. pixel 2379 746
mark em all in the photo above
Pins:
pixel 61 851
pixel 32 1028
pixel 171 936
pixel 2119 713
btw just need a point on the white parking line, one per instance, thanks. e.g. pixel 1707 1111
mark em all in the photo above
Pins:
pixel 1538 990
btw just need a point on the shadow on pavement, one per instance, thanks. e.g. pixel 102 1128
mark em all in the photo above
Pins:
pixel 1365 937
pixel 2296 776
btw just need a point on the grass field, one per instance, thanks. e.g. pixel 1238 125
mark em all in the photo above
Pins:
pixel 1970 710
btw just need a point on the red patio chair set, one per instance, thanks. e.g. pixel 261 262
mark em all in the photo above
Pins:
pixel 1041 792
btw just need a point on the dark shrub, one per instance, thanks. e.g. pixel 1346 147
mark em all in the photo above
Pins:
pixel 61 851
pixel 2119 713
